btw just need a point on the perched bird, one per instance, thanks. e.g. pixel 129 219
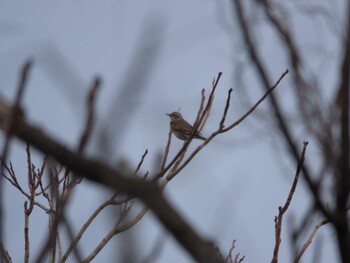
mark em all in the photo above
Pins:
pixel 181 128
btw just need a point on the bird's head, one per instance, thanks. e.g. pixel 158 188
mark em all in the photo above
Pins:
pixel 175 115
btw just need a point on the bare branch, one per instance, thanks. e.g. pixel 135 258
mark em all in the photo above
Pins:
pixel 4 254
pixel 71 236
pixel 214 134
pixel 116 230
pixel 87 224
pixel 141 162
pixel 309 240
pixel 200 110
pixel 239 260
pixel 147 191
pixel 282 210
pixel 203 116
pixel 13 114
pixel 166 152
pixel 26 233
pixel 90 113
pixel 226 109
pixel 229 255
pixel 281 120
pixel 253 108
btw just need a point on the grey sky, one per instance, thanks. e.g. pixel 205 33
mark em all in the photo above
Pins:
pixel 233 188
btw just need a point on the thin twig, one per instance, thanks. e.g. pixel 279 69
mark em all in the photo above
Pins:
pixel 4 254
pixel 40 174
pixel 229 255
pixel 309 240
pixel 166 152
pixel 226 109
pixel 87 224
pixel 141 162
pixel 239 260
pixel 31 182
pixel 282 210
pixel 90 113
pixel 87 131
pixel 253 108
pixel 200 110
pixel 14 182
pixel 116 230
pixel 76 250
pixel 206 111
pixel 55 215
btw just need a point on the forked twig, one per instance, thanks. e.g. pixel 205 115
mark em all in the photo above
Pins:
pixel 198 122
pixel 229 254
pixel 200 118
pixel 116 230
pixel 234 124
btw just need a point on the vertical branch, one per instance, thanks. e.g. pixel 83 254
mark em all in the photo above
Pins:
pixel 53 216
pixel 206 111
pixel 31 181
pixel 28 210
pixel 26 233
pixel 282 210
pixel 11 122
pixel 343 179
pixel 200 110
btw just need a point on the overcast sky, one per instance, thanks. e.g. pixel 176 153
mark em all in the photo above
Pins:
pixel 164 53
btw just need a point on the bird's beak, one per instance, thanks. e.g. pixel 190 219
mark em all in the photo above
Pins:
pixel 167 114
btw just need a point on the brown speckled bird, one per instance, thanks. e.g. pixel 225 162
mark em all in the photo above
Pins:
pixel 181 128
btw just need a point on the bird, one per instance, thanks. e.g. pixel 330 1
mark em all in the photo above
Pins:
pixel 181 128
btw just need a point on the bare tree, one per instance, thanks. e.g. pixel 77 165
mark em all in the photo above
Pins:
pixel 326 121
pixel 50 183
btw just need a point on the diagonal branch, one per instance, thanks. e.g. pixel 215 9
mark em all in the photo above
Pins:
pixel 147 191
pixel 231 126
pixel 282 210
pixel 281 120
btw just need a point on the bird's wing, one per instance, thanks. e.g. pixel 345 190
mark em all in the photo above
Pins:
pixel 188 128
